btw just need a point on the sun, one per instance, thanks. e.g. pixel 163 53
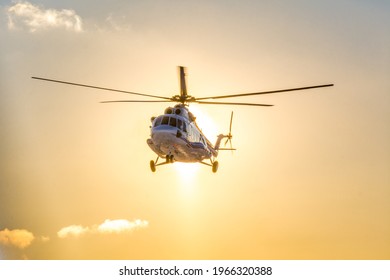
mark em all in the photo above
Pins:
pixel 187 171
pixel 187 174
pixel 209 129
pixel 205 123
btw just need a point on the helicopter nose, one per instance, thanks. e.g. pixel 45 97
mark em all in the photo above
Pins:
pixel 163 132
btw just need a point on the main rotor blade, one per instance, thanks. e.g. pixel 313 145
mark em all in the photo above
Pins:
pixel 231 103
pixel 100 88
pixel 136 101
pixel 263 92
pixel 231 122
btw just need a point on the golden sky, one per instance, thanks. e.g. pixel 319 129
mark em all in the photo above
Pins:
pixel 310 177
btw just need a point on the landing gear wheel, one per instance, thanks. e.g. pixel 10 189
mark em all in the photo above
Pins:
pixel 169 158
pixel 152 166
pixel 215 166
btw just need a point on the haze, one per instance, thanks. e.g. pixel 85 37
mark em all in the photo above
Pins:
pixel 309 179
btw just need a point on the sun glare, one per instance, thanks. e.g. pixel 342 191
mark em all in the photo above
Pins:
pixel 187 171
pixel 187 174
pixel 205 123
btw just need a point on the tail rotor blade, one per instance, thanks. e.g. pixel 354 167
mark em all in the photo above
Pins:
pixel 229 136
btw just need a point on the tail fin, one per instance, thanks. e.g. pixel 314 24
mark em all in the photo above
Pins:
pixel 218 142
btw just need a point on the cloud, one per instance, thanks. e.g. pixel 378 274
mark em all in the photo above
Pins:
pixel 73 230
pixel 118 226
pixel 107 227
pixel 19 238
pixel 26 15
pixel 45 238
pixel 117 23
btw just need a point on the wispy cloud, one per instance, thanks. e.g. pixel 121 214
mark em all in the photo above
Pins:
pixel 117 23
pixel 45 238
pixel 19 238
pixel 23 15
pixel 107 227
pixel 119 226
pixel 73 230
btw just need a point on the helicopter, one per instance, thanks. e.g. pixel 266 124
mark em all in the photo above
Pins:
pixel 175 135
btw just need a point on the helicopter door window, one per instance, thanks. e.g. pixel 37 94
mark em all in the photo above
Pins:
pixel 165 120
pixel 184 127
pixel 172 122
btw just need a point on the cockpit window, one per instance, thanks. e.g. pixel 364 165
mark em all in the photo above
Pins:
pixel 165 120
pixel 172 122
pixel 157 122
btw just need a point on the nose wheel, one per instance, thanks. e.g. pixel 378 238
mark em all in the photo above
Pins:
pixel 169 159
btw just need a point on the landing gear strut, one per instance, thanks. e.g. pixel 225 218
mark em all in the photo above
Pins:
pixel 214 165
pixel 154 164
pixel 169 159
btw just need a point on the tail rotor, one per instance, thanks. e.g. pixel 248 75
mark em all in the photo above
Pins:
pixel 230 136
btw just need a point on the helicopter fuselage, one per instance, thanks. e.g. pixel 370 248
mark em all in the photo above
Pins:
pixel 176 136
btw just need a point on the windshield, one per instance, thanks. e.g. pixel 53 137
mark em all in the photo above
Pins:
pixel 171 121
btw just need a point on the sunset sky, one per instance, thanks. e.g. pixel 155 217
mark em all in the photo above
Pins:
pixel 310 178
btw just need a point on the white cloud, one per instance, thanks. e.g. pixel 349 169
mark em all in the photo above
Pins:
pixel 118 226
pixel 26 15
pixel 19 238
pixel 73 230
pixel 107 227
